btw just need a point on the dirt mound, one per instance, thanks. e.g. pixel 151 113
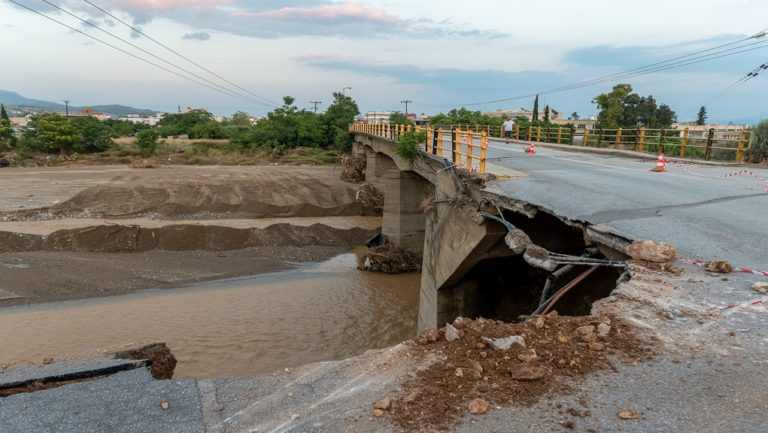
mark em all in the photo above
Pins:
pixel 389 260
pixel 238 195
pixel 163 363
pixel 353 168
pixel 182 237
pixel 545 355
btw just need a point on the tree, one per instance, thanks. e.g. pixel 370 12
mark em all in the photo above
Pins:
pixel 146 140
pixel 398 118
pixel 759 150
pixel 621 108
pixel 701 119
pixel 337 118
pixel 7 138
pixel 665 117
pixel 95 135
pixel 55 132
pixel 535 116
pixel 4 114
pixel 184 123
pixel 546 114
pixel 611 106
pixel 574 116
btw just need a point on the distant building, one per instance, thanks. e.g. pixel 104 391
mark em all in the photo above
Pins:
pixel 375 117
pixel 721 132
pixel 512 113
pixel 88 112
pixel 20 121
pixel 147 120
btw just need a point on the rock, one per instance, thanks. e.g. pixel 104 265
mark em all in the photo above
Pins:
pixel 48 360
pixel 586 330
pixel 384 403
pixel 506 342
pixel 603 330
pixel 295 416
pixel 460 322
pixel 719 266
pixel 164 404
pixel 478 406
pixel 563 338
pixel 458 372
pixel 410 398
pixel 528 356
pixel 478 219
pixel 589 338
pixel 650 251
pixel 629 414
pixel 597 346
pixel 525 372
pixel 378 413
pixel 517 241
pixel 538 322
pixel 477 367
pixel 538 257
pixel 429 335
pixel 451 333
pixel 760 287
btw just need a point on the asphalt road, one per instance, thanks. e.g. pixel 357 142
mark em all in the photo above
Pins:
pixel 690 206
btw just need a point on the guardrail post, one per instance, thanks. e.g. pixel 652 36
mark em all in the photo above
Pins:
pixel 742 140
pixel 440 142
pixel 684 143
pixel 538 134
pixel 454 137
pixel 483 151
pixel 559 133
pixel 710 138
pixel 617 142
pixel 661 140
pixel 457 152
pixel 600 138
pixel 642 139
pixel 428 143
pixel 585 140
pixel 517 132
pixel 434 141
pixel 470 138
pixel 573 133
pixel 530 129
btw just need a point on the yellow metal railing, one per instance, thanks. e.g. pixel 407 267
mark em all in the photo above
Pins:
pixel 468 147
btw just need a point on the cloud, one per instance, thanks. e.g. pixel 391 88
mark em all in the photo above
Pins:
pixel 198 36
pixel 143 11
pixel 334 12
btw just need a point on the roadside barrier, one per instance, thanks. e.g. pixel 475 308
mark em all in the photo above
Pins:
pixel 724 176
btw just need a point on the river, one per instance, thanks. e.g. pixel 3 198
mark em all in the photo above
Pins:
pixel 237 327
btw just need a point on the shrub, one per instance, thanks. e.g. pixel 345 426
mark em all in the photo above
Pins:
pixel 146 140
pixel 408 145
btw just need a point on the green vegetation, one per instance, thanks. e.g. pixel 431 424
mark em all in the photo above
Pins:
pixel 759 150
pixel 146 140
pixel 701 119
pixel 398 118
pixel 7 139
pixel 462 116
pixel 535 117
pixel 621 108
pixel 408 145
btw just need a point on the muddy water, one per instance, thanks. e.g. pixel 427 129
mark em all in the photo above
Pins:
pixel 237 327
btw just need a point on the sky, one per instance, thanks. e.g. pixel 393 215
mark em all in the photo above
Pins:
pixel 439 54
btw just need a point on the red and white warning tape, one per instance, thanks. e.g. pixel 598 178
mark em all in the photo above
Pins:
pixel 724 176
pixel 758 301
pixel 702 263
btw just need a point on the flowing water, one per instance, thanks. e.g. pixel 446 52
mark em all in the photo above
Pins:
pixel 238 327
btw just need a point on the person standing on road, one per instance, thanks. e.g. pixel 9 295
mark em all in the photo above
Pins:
pixel 509 126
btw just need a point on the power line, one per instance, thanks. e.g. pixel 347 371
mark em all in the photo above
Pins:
pixel 126 52
pixel 245 97
pixel 691 58
pixel 140 32
pixel 750 75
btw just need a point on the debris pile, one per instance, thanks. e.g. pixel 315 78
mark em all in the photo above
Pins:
pixel 482 364
pixel 163 363
pixel 650 251
pixel 353 168
pixel 389 259
pixel 371 199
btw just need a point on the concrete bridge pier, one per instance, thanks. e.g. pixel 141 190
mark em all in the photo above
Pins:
pixel 405 196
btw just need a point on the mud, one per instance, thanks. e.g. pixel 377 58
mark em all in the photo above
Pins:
pixel 389 260
pixel 182 237
pixel 558 352
pixel 162 361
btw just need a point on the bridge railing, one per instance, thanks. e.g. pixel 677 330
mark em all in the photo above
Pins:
pixel 685 143
pixel 465 147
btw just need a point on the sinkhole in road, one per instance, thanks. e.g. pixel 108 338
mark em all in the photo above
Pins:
pixel 508 287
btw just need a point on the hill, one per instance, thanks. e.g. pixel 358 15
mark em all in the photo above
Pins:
pixel 12 99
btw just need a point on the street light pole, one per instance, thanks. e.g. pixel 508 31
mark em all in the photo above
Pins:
pixel 315 103
pixel 343 90
pixel 66 107
pixel 406 102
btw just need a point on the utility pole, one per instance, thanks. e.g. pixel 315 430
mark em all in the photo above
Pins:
pixel 66 107
pixel 406 102
pixel 315 103
pixel 344 90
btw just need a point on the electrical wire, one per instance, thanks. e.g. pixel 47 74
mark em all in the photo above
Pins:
pixel 124 51
pixel 741 81
pixel 140 32
pixel 244 97
pixel 685 60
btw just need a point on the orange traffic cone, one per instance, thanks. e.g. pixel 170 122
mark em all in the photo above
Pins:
pixel 531 148
pixel 661 165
